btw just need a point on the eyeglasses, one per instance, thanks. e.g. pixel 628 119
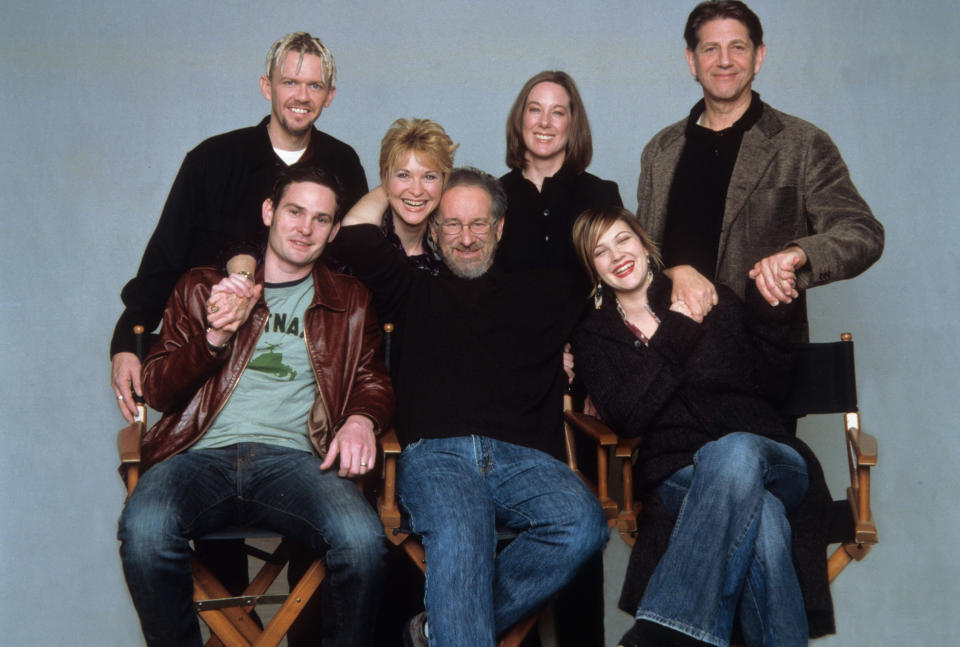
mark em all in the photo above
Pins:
pixel 454 227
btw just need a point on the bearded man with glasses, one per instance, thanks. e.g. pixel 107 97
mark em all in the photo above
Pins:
pixel 479 379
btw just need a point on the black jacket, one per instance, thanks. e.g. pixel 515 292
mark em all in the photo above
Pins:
pixel 472 356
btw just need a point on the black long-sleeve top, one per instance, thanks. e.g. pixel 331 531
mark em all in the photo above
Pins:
pixel 537 224
pixel 472 356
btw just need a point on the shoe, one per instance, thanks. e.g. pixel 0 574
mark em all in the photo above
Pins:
pixel 640 636
pixel 415 631
pixel 650 634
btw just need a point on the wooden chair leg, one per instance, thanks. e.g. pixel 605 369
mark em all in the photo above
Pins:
pixel 235 628
pixel 274 632
pixel 415 551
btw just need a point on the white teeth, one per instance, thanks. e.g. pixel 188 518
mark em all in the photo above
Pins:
pixel 414 204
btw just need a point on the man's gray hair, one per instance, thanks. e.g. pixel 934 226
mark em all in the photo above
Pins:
pixel 302 43
pixel 470 176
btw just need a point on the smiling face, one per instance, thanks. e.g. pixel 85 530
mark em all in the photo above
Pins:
pixel 725 61
pixel 546 117
pixel 620 259
pixel 298 93
pixel 413 190
pixel 466 234
pixel 300 226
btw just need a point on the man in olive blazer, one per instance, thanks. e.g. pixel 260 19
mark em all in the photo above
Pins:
pixel 791 217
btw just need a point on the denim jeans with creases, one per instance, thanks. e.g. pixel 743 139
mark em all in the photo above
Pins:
pixel 248 484
pixel 729 553
pixel 456 492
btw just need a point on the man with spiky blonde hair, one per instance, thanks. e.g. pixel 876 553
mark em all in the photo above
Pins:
pixel 217 194
pixel 302 43
pixel 216 198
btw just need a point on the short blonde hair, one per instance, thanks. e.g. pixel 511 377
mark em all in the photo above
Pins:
pixel 302 43
pixel 422 136
pixel 594 223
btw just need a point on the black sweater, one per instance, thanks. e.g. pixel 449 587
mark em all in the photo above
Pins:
pixel 472 356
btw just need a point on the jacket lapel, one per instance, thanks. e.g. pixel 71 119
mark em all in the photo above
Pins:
pixel 756 154
pixel 664 168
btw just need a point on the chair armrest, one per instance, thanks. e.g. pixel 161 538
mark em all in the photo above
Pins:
pixel 128 446
pixel 626 446
pixel 592 427
pixel 387 503
pixel 389 443
pixel 128 443
pixel 863 445
pixel 604 439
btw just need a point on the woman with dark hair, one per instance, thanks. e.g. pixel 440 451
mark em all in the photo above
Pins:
pixel 549 148
pixel 733 503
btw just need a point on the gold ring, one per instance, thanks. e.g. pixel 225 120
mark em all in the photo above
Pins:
pixel 363 464
pixel 214 308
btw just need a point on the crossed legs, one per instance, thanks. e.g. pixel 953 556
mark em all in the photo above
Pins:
pixel 456 491
pixel 730 550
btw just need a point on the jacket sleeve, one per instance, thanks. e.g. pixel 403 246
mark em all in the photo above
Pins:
pixel 846 238
pixel 164 259
pixel 382 268
pixel 631 384
pixel 645 189
pixel 371 394
pixel 180 361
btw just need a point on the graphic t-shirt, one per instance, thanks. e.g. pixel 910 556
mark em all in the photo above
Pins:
pixel 272 400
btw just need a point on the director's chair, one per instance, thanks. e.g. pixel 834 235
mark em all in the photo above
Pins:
pixel 230 618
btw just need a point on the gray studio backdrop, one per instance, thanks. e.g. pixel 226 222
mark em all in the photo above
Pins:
pixel 101 99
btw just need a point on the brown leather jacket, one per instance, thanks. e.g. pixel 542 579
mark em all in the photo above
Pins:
pixel 190 384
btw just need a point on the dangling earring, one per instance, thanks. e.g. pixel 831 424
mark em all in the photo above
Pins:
pixel 649 275
pixel 598 296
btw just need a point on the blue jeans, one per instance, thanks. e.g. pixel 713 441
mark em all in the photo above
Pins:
pixel 456 492
pixel 730 553
pixel 248 484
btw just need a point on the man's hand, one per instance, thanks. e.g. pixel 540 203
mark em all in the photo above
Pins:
pixel 125 380
pixel 230 304
pixel 692 289
pixel 682 308
pixel 776 275
pixel 356 446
